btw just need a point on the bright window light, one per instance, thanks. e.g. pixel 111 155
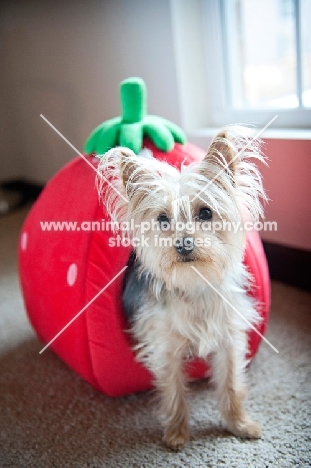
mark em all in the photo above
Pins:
pixel 244 61
pixel 267 53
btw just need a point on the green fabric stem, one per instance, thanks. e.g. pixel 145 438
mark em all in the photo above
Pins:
pixel 134 123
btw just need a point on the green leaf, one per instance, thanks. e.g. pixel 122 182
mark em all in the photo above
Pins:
pixel 107 138
pixel 178 134
pixel 159 134
pixel 91 143
pixel 131 136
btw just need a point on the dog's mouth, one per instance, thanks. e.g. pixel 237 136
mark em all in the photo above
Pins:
pixel 185 259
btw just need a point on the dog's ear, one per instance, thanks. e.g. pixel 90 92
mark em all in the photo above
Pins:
pixel 223 152
pixel 114 170
pixel 137 173
pixel 128 166
pixel 121 163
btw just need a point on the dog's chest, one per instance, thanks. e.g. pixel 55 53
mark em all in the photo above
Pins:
pixel 201 321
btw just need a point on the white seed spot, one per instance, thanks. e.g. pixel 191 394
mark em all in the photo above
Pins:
pixel 72 274
pixel 24 241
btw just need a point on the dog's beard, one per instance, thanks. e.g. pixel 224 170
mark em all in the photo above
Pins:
pixel 214 261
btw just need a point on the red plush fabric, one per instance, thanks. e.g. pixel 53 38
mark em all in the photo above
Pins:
pixel 61 272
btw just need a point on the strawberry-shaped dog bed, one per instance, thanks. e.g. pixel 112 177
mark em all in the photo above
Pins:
pixel 71 273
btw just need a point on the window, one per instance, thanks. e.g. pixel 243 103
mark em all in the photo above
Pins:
pixel 253 57
pixel 267 52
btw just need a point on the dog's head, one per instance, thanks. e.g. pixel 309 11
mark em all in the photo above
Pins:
pixel 193 217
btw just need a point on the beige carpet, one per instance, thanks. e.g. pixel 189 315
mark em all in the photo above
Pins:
pixel 49 417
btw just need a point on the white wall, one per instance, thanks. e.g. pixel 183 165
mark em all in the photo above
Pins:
pixel 65 59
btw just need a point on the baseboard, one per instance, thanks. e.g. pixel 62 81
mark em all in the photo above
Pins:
pixel 289 265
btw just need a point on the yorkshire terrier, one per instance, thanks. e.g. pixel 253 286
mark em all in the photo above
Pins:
pixel 184 275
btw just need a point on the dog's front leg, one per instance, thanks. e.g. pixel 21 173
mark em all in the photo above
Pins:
pixel 228 375
pixel 170 383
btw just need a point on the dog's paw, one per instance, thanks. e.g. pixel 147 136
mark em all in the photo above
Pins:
pixel 245 428
pixel 176 438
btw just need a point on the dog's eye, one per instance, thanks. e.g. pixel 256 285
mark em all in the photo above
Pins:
pixel 164 221
pixel 205 214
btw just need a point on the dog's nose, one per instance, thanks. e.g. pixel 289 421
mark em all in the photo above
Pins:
pixel 184 245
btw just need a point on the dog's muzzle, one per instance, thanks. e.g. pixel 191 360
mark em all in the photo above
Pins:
pixel 184 245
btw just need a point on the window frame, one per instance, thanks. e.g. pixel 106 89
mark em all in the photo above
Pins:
pixel 287 118
pixel 195 52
